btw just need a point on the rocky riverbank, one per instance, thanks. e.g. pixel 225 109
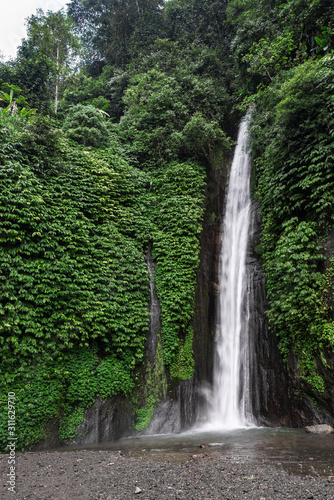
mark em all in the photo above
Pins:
pixel 110 475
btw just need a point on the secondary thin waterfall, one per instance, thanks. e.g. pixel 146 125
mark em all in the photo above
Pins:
pixel 230 396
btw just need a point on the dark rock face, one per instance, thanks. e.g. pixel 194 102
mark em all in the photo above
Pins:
pixel 192 404
pixel 269 383
pixel 105 421
pixel 166 418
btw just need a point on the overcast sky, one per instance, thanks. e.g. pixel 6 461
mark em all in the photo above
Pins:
pixel 12 21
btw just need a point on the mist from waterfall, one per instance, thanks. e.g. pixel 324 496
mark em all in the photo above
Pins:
pixel 230 397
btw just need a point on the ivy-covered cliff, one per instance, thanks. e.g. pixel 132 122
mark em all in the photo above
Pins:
pixel 113 170
pixel 74 309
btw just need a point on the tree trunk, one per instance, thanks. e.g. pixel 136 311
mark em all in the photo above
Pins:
pixel 57 81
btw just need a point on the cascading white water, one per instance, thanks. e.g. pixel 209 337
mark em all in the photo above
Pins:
pixel 230 395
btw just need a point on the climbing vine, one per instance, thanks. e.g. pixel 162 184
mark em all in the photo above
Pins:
pixel 178 216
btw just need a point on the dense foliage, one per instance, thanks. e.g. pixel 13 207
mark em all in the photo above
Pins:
pixel 174 112
pixel 295 185
pixel 74 281
pixel 71 280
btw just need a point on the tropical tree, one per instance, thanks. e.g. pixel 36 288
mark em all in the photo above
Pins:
pixel 14 104
pixel 170 107
pixel 111 28
pixel 85 125
pixel 51 44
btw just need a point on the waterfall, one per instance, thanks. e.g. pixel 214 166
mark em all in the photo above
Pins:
pixel 230 398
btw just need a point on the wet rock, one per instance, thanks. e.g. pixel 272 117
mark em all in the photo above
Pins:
pixel 319 429
pixel 166 418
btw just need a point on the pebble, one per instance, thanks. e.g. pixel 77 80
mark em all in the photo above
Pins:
pixel 85 475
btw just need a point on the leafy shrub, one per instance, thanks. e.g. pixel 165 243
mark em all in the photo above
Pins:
pixel 86 125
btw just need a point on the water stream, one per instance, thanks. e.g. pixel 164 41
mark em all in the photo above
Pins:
pixel 293 450
pixel 230 398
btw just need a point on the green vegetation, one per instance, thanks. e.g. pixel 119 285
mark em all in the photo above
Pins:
pixel 85 125
pixel 74 281
pixel 112 116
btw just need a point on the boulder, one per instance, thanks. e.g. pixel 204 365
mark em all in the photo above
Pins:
pixel 320 429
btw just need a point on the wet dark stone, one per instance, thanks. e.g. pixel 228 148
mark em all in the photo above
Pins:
pixel 192 403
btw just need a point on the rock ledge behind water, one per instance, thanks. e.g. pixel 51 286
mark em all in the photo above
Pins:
pixel 320 429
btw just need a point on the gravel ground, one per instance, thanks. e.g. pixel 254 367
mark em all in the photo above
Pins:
pixel 110 475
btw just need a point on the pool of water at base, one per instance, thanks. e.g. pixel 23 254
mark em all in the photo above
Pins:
pixel 293 450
